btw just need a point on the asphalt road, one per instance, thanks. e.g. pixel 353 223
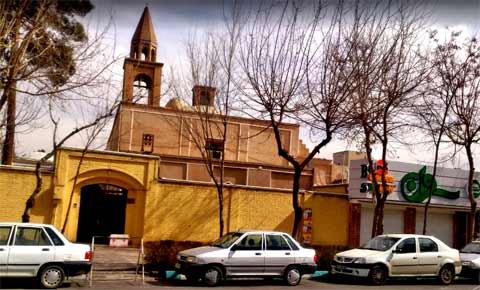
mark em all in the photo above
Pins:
pixel 420 284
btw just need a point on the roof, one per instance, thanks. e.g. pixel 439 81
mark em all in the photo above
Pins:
pixel 144 31
pixel 23 224
pixel 406 235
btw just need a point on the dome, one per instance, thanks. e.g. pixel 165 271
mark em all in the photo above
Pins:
pixel 178 104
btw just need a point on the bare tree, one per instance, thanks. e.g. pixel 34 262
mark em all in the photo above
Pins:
pixel 387 70
pixel 103 115
pixel 279 58
pixel 460 77
pixel 205 125
pixel 434 111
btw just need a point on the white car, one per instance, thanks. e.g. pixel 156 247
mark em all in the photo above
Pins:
pixel 470 256
pixel 264 254
pixel 399 255
pixel 40 250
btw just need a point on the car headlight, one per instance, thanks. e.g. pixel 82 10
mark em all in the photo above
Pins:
pixel 359 261
pixel 191 259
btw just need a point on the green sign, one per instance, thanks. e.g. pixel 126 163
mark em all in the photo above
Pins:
pixel 415 187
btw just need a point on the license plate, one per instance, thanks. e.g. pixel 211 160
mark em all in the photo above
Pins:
pixel 340 268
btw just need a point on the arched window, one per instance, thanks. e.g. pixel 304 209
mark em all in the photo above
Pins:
pixel 142 87
pixel 153 56
pixel 135 52
pixel 145 54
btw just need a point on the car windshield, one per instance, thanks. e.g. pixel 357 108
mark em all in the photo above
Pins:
pixel 227 240
pixel 380 243
pixel 471 248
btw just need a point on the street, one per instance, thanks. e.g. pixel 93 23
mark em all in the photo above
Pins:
pixel 150 283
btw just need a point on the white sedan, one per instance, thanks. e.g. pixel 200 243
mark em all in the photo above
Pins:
pixel 39 250
pixel 399 255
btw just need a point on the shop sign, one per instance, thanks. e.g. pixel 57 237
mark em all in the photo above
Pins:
pixel 377 174
pixel 416 187
pixel 412 183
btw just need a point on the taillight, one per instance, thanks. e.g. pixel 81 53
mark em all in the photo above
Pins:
pixel 88 255
pixel 315 259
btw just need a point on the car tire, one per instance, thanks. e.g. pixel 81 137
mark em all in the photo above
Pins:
pixel 378 275
pixel 446 275
pixel 212 276
pixel 51 277
pixel 292 276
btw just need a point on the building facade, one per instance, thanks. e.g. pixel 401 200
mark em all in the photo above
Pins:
pixel 448 214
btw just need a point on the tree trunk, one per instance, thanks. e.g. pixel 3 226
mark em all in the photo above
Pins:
pixel 220 207
pixel 31 200
pixel 8 150
pixel 298 211
pixel 471 198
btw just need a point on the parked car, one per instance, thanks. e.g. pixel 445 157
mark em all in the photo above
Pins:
pixel 40 250
pixel 399 255
pixel 248 254
pixel 470 257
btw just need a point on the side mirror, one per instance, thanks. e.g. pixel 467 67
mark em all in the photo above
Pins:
pixel 395 251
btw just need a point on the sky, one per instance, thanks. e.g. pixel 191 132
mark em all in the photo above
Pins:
pixel 175 20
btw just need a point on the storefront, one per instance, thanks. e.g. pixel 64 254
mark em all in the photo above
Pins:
pixel 404 211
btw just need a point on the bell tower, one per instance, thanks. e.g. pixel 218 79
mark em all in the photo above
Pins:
pixel 142 74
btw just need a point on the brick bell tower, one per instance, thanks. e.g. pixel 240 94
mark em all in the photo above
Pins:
pixel 141 71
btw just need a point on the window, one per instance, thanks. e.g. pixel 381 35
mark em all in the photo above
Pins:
pixel 147 143
pixel 204 98
pixel 291 243
pixel 277 243
pixel 4 235
pixel 427 245
pixel 214 148
pixel 54 237
pixel 250 243
pixel 31 237
pixel 407 246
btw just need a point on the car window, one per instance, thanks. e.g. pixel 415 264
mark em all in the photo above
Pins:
pixel 291 243
pixel 277 243
pixel 380 243
pixel 407 246
pixel 473 247
pixel 250 243
pixel 4 235
pixel 54 237
pixel 31 237
pixel 427 245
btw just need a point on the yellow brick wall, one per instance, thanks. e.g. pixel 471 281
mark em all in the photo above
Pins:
pixel 16 186
pixel 329 219
pixel 165 210
pixel 185 212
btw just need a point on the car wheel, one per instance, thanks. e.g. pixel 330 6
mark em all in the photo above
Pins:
pixel 212 276
pixel 378 275
pixel 51 277
pixel 292 276
pixel 446 275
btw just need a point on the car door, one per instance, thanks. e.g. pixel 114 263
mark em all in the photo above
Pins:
pixel 5 233
pixel 31 248
pixel 405 258
pixel 247 256
pixel 278 254
pixel 429 258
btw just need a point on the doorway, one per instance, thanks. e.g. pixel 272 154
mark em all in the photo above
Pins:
pixel 102 212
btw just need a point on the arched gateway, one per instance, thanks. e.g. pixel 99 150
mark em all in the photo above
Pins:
pixel 102 212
